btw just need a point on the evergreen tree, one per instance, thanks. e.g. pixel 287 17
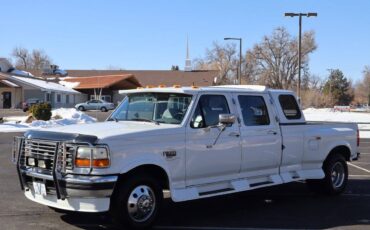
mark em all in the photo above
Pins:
pixel 338 88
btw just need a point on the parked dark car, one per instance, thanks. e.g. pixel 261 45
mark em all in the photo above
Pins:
pixel 26 105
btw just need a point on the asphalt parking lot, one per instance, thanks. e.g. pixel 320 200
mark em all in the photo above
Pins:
pixel 289 206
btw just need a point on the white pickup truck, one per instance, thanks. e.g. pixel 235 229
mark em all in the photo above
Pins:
pixel 194 142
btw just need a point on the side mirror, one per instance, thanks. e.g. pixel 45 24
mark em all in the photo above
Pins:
pixel 226 119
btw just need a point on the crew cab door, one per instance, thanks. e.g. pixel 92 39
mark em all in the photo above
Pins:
pixel 292 125
pixel 260 135
pixel 208 160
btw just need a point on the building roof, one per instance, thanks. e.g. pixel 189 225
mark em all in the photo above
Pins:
pixel 9 83
pixel 37 83
pixel 115 82
pixel 157 77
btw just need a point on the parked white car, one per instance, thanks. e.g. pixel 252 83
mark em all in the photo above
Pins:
pixel 104 106
pixel 194 142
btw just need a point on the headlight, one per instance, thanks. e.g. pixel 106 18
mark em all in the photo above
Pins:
pixel 96 157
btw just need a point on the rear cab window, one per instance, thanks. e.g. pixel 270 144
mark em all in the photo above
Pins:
pixel 290 107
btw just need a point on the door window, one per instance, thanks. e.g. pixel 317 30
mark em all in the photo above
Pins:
pixel 254 110
pixel 208 110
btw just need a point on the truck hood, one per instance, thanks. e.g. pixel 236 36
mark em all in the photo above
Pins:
pixel 108 129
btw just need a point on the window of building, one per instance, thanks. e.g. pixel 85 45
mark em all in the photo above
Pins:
pixel 106 98
pixel 208 110
pixel 290 107
pixel 59 98
pixel 48 98
pixel 67 99
pixel 254 110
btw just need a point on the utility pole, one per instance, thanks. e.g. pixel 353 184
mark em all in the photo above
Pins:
pixel 240 58
pixel 299 46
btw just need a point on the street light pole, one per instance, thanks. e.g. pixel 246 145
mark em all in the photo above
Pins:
pixel 299 46
pixel 299 59
pixel 240 58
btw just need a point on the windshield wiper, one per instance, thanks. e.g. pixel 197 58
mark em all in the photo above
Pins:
pixel 143 119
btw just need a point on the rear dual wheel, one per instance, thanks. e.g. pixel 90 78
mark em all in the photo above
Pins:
pixel 136 202
pixel 336 176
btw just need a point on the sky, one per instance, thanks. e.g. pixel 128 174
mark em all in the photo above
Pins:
pixel 151 35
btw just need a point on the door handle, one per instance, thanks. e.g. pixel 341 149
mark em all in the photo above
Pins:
pixel 273 132
pixel 234 134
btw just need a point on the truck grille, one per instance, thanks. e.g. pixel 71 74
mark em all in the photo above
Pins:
pixel 40 154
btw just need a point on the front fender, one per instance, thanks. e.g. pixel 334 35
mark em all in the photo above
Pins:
pixel 131 163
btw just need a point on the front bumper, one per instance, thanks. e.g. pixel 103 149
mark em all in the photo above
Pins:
pixel 55 184
pixel 78 193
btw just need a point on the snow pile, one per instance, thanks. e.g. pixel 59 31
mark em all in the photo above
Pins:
pixel 312 114
pixel 64 117
pixel 60 117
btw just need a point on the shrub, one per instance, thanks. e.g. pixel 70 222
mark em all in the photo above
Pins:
pixel 41 111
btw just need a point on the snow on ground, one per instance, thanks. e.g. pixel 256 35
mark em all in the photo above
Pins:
pixel 60 117
pixel 326 114
pixel 70 85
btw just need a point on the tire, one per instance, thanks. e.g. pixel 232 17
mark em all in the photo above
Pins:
pixel 81 108
pixel 336 177
pixel 103 109
pixel 134 192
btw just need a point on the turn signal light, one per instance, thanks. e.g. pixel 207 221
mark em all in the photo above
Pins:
pixel 96 157
pixel 97 163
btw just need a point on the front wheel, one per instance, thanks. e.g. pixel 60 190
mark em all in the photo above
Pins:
pixel 81 108
pixel 136 202
pixel 336 176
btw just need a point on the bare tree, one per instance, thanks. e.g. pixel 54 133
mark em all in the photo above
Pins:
pixel 362 88
pixel 222 58
pixel 39 59
pixel 274 61
pixel 22 57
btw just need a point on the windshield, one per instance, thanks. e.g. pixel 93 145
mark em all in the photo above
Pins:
pixel 169 108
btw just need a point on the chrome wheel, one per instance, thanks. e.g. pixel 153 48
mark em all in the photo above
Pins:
pixel 141 203
pixel 337 175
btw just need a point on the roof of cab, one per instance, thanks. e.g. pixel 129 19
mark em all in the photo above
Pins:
pixel 195 89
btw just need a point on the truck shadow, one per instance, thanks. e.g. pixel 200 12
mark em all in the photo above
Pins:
pixel 289 206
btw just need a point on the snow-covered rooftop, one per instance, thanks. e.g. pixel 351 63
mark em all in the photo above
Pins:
pixel 44 85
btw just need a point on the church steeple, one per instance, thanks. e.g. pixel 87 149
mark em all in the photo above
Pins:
pixel 187 60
